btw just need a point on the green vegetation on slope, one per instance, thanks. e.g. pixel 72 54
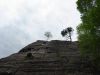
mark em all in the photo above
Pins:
pixel 89 29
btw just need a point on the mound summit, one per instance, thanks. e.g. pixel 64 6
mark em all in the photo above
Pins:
pixel 46 58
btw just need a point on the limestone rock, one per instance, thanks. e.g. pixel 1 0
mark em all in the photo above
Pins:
pixel 48 58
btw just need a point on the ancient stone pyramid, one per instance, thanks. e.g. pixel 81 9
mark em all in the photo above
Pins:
pixel 44 58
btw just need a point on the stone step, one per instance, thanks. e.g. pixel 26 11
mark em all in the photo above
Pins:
pixel 43 66
pixel 40 69
pixel 42 62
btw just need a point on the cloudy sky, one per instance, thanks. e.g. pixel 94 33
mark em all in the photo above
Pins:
pixel 25 21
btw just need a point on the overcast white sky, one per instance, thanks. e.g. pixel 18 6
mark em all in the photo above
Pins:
pixel 25 21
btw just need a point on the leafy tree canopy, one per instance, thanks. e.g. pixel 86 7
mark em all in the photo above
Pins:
pixel 48 35
pixel 89 29
pixel 67 33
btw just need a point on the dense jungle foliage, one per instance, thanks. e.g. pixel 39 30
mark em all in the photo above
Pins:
pixel 89 30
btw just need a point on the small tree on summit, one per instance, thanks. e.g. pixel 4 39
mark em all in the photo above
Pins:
pixel 67 33
pixel 48 35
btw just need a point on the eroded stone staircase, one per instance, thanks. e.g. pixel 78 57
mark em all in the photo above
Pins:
pixel 48 58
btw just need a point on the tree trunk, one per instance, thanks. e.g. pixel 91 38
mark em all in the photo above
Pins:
pixel 70 37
